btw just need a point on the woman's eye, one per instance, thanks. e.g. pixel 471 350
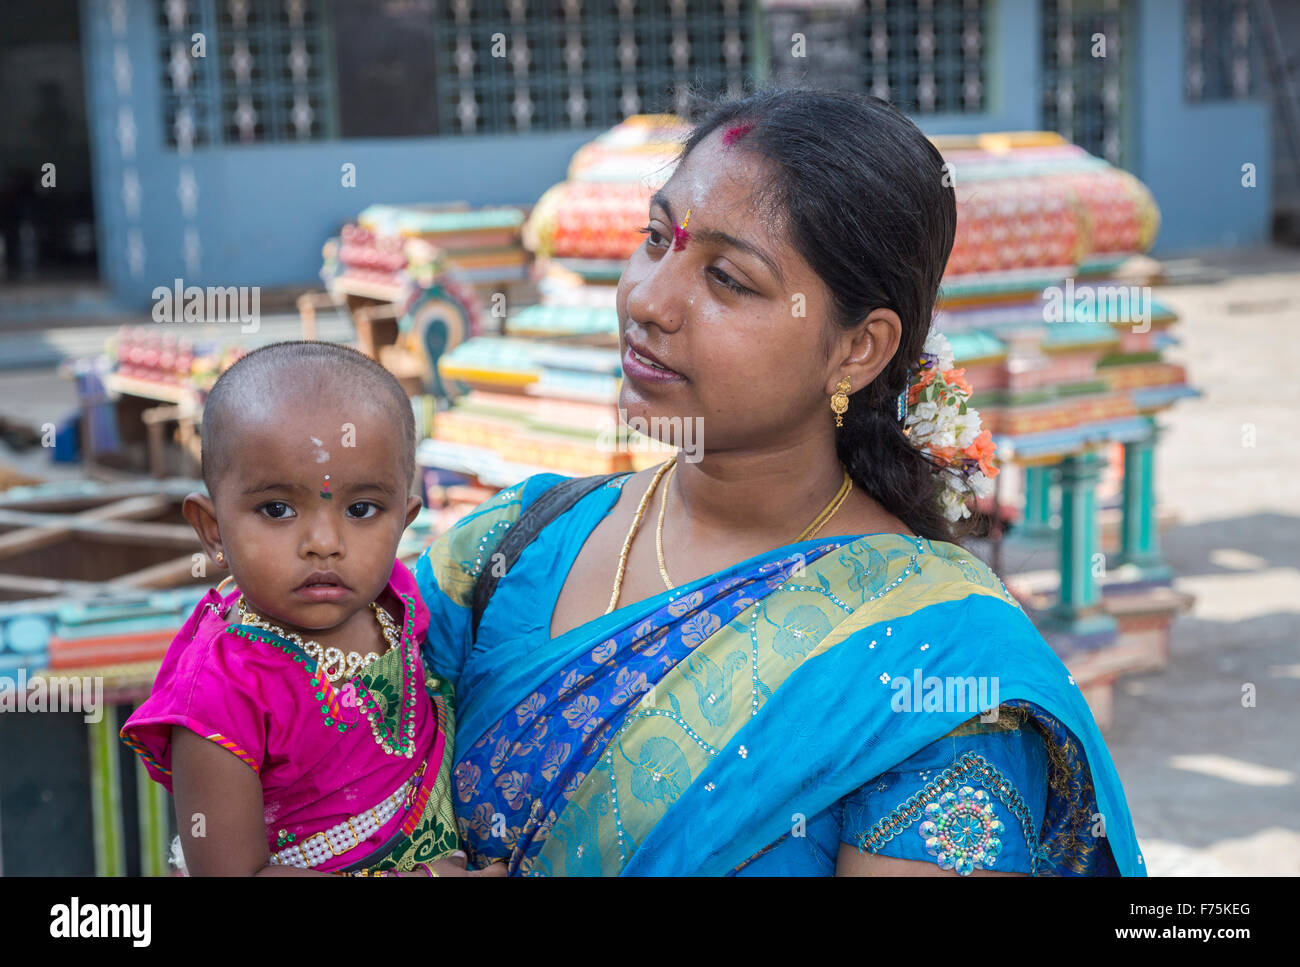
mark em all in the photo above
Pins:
pixel 728 282
pixel 363 504
pixel 650 230
pixel 277 510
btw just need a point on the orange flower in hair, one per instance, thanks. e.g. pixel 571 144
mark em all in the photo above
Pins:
pixel 982 450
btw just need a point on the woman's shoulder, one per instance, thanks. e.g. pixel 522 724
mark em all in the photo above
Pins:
pixel 506 505
pixel 944 569
pixel 458 556
pixel 946 563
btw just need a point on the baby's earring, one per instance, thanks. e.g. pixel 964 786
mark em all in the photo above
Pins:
pixel 221 559
pixel 840 401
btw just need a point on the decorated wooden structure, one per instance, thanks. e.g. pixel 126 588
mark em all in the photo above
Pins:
pixel 1047 285
pixel 419 280
pixel 95 580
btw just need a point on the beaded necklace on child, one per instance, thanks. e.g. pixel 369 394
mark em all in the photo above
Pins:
pixel 332 661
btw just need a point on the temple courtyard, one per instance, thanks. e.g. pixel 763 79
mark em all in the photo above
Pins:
pixel 1206 746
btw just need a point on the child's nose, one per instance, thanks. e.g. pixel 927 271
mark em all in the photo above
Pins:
pixel 324 537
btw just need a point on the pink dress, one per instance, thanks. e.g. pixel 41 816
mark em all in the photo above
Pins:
pixel 354 774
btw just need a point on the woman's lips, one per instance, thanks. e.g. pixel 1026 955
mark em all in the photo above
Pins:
pixel 646 372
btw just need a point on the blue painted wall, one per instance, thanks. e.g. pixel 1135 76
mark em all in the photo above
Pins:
pixel 1190 155
pixel 263 211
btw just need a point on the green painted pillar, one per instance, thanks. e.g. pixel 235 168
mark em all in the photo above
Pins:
pixel 1037 521
pixel 152 799
pixel 1139 543
pixel 106 795
pixel 1079 538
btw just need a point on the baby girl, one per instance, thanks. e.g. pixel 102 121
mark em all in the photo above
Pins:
pixel 292 718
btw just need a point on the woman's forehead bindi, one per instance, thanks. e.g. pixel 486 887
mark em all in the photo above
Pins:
pixel 735 133
pixel 714 236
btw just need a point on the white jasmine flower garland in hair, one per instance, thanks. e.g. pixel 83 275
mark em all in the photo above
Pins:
pixel 941 422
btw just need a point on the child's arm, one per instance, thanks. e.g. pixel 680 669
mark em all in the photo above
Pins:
pixel 221 798
pixel 209 782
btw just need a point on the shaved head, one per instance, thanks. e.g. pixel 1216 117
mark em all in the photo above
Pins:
pixel 303 376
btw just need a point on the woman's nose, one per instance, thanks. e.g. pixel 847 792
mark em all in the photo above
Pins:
pixel 659 295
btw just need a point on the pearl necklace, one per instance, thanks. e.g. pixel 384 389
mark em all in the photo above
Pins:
pixel 333 663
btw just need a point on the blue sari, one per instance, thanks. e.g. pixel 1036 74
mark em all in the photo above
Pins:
pixel 708 729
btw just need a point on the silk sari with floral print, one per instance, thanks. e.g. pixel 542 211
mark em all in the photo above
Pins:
pixel 682 733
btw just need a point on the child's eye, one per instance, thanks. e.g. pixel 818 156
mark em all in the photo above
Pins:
pixel 277 510
pixel 651 230
pixel 363 504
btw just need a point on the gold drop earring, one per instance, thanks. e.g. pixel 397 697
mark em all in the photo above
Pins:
pixel 221 559
pixel 840 401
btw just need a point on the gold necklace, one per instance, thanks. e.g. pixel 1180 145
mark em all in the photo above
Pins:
pixel 829 510
pixel 808 533
pixel 331 661
pixel 627 542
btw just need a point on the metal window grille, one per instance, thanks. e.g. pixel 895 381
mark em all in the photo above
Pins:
pixel 265 75
pixel 925 56
pixel 1221 56
pixel 188 85
pixel 1084 84
pixel 512 66
pixel 505 66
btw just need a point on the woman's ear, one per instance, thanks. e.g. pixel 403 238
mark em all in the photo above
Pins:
pixel 867 349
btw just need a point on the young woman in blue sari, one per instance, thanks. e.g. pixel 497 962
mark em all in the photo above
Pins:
pixel 769 655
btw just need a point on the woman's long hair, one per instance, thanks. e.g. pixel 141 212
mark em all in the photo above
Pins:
pixel 866 201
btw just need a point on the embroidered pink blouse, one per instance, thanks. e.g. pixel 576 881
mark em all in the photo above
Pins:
pixel 311 745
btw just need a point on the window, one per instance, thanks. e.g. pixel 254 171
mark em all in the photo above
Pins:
pixel 1219 50
pixel 924 56
pixel 1083 73
pixel 263 73
pixel 509 65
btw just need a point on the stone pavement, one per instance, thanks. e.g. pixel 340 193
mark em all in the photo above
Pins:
pixel 1214 785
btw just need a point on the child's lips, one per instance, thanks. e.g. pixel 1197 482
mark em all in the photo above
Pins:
pixel 323 586
pixel 323 578
pixel 322 592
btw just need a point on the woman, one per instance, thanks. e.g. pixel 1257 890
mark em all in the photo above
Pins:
pixel 728 696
